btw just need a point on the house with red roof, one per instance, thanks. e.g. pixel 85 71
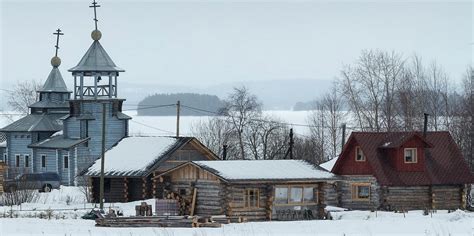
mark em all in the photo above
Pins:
pixel 402 171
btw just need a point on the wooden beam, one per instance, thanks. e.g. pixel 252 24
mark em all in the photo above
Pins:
pixel 125 189
pixel 193 203
pixel 154 181
pixel 144 192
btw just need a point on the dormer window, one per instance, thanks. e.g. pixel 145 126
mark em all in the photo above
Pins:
pixel 359 155
pixel 410 155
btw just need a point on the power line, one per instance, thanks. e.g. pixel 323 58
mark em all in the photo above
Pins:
pixel 152 127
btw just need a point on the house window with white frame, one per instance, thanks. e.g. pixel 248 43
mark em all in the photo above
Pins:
pixel 360 191
pixel 359 155
pixel 410 155
pixel 5 157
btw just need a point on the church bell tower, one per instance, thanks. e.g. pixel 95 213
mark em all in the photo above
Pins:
pixel 95 84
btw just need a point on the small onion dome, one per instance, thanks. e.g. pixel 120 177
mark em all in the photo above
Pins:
pixel 96 35
pixel 55 61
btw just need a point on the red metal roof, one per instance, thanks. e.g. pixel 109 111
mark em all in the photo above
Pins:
pixel 444 163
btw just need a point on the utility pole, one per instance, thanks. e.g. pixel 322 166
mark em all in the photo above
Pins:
pixel 291 144
pixel 471 114
pixel 102 159
pixel 178 109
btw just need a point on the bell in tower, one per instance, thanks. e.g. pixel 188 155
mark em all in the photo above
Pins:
pixel 95 76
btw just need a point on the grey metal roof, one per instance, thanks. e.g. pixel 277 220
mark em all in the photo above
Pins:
pixel 96 59
pixel 54 83
pixel 35 122
pixel 123 116
pixel 58 142
pixel 3 137
pixel 50 104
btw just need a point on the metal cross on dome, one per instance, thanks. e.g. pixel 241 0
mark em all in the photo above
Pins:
pixel 58 32
pixel 95 6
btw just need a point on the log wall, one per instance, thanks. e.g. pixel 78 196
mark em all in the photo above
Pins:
pixel 400 198
pixel 344 190
pixel 210 198
pixel 235 203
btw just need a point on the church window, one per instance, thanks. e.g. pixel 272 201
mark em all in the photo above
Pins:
pixel 27 160
pixel 43 161
pixel 66 162
pixel 17 160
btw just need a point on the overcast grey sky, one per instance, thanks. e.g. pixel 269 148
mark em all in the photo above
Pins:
pixel 201 43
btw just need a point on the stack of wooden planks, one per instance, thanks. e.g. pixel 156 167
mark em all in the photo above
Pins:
pixel 167 221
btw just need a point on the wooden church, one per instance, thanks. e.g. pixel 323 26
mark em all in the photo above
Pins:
pixel 63 134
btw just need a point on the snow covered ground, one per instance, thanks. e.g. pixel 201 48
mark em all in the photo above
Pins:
pixel 70 202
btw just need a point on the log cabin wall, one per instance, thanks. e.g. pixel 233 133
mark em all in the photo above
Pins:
pixel 448 197
pixel 330 192
pixel 120 189
pixel 406 198
pixel 239 201
pixel 348 188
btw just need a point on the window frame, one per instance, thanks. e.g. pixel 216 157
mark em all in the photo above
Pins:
pixel 303 202
pixel 17 160
pixel 43 161
pixel 355 191
pixel 357 149
pixel 415 155
pixel 26 160
pixel 66 163
pixel 247 198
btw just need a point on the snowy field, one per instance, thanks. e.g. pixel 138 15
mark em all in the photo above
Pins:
pixel 67 205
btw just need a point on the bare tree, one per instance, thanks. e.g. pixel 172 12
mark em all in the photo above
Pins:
pixel 215 133
pixel 267 138
pixel 240 108
pixel 370 88
pixel 23 95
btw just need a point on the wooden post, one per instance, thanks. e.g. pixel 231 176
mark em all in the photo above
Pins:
pixel 178 110
pixel 463 197
pixel 193 203
pixel 154 181
pixel 125 189
pixel 144 192
pixel 432 199
pixel 321 200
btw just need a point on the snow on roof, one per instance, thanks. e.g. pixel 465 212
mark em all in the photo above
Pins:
pixel 264 170
pixel 3 144
pixel 329 164
pixel 133 155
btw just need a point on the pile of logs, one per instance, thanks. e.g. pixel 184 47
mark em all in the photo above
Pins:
pixel 165 221
pixel 143 210
pixel 184 203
